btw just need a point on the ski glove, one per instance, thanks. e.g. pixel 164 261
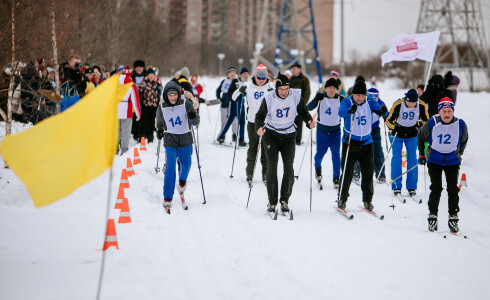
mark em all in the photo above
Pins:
pixel 382 111
pixel 353 109
pixel 159 134
pixel 319 97
pixel 243 90
pixel 422 160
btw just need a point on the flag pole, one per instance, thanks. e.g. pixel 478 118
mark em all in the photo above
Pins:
pixel 428 74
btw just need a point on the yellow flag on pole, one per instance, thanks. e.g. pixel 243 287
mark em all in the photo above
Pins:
pixel 64 152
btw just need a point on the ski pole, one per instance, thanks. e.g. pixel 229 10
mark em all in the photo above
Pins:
pixel 302 160
pixel 425 182
pixel 253 172
pixel 157 169
pixel 391 181
pixel 386 138
pixel 346 157
pixel 311 166
pixel 217 119
pixel 386 157
pixel 236 142
pixel 198 164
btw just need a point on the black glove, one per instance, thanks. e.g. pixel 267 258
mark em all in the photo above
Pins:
pixel 159 134
pixel 419 124
pixel 243 90
pixel 396 129
pixel 353 109
pixel 422 160
pixel 191 114
pixel 319 97
pixel 382 111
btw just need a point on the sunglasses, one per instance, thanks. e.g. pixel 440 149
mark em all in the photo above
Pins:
pixel 261 78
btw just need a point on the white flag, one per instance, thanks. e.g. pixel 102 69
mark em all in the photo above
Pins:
pixel 408 47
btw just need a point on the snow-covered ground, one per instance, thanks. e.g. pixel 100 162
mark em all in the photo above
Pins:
pixel 223 251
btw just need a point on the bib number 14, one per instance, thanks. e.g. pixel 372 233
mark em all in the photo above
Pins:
pixel 176 122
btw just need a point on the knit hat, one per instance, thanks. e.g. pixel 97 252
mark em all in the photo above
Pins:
pixel 412 96
pixel 359 88
pixel 138 63
pixel 261 71
pixel 296 65
pixel 372 93
pixel 230 69
pixel 332 82
pixel 421 86
pixel 288 72
pixel 88 71
pixel 172 91
pixel 243 70
pixel 282 80
pixel 150 71
pixel 119 68
pixel 185 72
pixel 127 71
pixel 334 73
pixel 445 102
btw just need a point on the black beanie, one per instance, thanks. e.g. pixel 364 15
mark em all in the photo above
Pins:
pixel 412 96
pixel 282 80
pixel 359 88
pixel 138 63
pixel 332 82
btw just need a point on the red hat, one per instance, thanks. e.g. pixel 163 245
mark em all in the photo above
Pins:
pixel 445 102
pixel 127 71
pixel 334 73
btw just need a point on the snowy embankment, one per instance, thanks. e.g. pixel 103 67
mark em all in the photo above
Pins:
pixel 223 251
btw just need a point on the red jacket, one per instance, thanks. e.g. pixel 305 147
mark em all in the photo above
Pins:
pixel 130 101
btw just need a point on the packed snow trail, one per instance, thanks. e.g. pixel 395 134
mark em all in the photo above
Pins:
pixel 223 251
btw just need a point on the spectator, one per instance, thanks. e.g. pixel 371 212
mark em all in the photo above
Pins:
pixel 149 91
pixel 434 92
pixel 451 83
pixel 300 81
pixel 139 71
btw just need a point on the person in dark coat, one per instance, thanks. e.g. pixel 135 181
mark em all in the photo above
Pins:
pixel 434 92
pixel 300 81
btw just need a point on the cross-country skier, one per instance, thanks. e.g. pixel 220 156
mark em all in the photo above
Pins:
pixel 406 116
pixel 254 92
pixel 447 137
pixel 222 94
pixel 235 110
pixel 357 112
pixel 275 121
pixel 174 117
pixel 328 131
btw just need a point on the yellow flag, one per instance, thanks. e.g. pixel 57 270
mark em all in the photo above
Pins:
pixel 63 152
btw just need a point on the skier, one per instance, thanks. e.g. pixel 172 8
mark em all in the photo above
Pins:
pixel 275 121
pixel 235 110
pixel 174 117
pixel 373 94
pixel 447 137
pixel 328 131
pixel 406 116
pixel 357 113
pixel 222 95
pixel 254 91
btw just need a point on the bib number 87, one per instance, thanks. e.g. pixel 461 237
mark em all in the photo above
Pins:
pixel 280 112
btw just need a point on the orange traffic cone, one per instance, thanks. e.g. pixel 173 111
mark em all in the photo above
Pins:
pixel 129 168
pixel 136 159
pixel 124 216
pixel 143 144
pixel 124 179
pixel 110 236
pixel 463 181
pixel 120 198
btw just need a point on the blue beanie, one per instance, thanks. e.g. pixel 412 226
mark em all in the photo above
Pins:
pixel 372 93
pixel 412 96
pixel 243 70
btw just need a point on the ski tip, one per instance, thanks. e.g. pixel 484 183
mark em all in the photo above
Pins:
pixel 351 217
pixel 420 201
pixel 382 217
pixel 404 200
pixel 291 215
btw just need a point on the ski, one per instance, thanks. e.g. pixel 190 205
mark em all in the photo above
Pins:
pixel 320 186
pixel 458 234
pixel 414 198
pixel 288 215
pixel 345 213
pixel 373 213
pixel 399 197
pixel 184 205
pixel 167 209
pixel 230 145
pixel 273 215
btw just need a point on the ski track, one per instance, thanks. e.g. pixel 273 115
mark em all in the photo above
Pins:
pixel 223 251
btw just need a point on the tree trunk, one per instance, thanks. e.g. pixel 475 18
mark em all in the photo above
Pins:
pixel 55 54
pixel 8 125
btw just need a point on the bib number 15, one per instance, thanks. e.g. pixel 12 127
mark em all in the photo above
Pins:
pixel 281 112
pixel 361 120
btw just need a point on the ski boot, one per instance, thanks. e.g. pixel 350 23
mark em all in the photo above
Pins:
pixel 233 137
pixel 242 143
pixel 284 207
pixel 342 204
pixel 221 140
pixel 318 174
pixel 381 179
pixel 397 192
pixel 432 222
pixel 167 204
pixel 412 192
pixel 356 179
pixel 181 188
pixel 336 183
pixel 453 223
pixel 249 181
pixel 368 206
pixel 271 208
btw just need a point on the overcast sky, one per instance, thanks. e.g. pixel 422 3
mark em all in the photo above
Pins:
pixel 370 25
